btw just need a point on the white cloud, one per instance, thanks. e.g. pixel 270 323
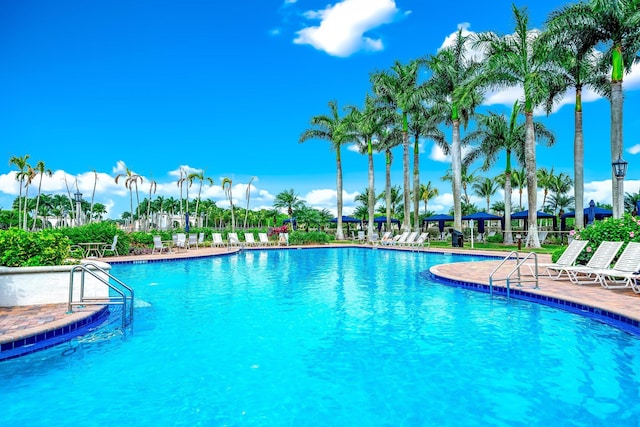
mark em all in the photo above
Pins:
pixel 438 155
pixel 343 26
pixel 327 199
pixel 634 149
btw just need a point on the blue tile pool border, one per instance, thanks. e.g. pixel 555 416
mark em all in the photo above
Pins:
pixel 611 318
pixel 53 337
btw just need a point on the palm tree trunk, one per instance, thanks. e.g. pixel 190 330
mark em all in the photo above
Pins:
pixel 38 203
pixel 416 184
pixel 508 237
pixel 371 200
pixel 617 185
pixel 406 223
pixel 578 166
pixel 339 232
pixel 532 183
pixel 387 189
pixel 456 164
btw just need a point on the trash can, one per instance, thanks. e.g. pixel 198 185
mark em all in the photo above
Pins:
pixel 457 239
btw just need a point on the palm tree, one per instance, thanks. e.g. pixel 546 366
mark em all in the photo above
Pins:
pixel 466 179
pixel 617 24
pixel 520 59
pixel 427 192
pixel 455 96
pixel 398 90
pixel 131 179
pixel 29 175
pixel 227 185
pixel 200 176
pixel 153 186
pixel 395 205
pixel 365 125
pixel 40 169
pixel 545 178
pixel 334 129
pixel 486 188
pixel 248 196
pixel 389 138
pixel 519 178
pixel 290 201
pixel 93 193
pixel 424 124
pixel 580 64
pixel 494 134
pixel 22 165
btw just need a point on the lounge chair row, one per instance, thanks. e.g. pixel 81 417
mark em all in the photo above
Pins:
pixel 249 240
pixel 182 241
pixel 625 273
pixel 406 239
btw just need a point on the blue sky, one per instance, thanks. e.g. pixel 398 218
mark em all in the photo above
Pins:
pixel 228 87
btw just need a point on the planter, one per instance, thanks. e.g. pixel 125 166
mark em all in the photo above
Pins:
pixel 21 286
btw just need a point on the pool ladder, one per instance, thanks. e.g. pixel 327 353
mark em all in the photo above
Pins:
pixel 519 262
pixel 124 293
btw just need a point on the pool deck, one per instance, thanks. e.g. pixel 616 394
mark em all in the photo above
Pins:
pixel 18 323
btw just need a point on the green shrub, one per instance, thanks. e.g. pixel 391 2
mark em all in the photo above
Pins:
pixel 99 232
pixel 310 238
pixel 19 248
pixel 625 229
pixel 497 238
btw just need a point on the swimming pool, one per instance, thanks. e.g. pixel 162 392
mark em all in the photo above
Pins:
pixel 327 337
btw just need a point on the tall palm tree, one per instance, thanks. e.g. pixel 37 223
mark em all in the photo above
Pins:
pixel 388 139
pixel 456 95
pixel 200 176
pixel 93 192
pixel 30 175
pixel 248 196
pixel 334 129
pixel 521 59
pixel 424 124
pixel 130 180
pixel 153 187
pixel 581 66
pixel 365 125
pixel 42 171
pixel 22 165
pixel 466 178
pixel 495 133
pixel 227 185
pixel 519 179
pixel 486 188
pixel 616 23
pixel 398 90
pixel 428 192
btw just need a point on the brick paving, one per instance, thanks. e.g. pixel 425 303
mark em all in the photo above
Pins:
pixel 20 322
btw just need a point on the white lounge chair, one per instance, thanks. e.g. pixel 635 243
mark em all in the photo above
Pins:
pixel 601 259
pixel 264 239
pixel 250 239
pixel 421 241
pixel 283 239
pixel 569 256
pixel 361 236
pixel 200 240
pixel 386 238
pixel 410 239
pixel 625 270
pixel 158 245
pixel 400 239
pixel 232 239
pixel 216 240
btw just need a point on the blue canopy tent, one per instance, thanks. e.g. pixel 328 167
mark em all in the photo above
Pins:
pixel 591 213
pixel 346 220
pixel 291 220
pixel 440 219
pixel 383 220
pixel 539 214
pixel 481 217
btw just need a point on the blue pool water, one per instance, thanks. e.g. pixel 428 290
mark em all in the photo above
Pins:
pixel 327 337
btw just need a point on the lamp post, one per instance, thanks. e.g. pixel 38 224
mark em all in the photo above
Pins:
pixel 78 196
pixel 619 170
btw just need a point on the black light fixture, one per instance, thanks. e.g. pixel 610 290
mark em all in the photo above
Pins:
pixel 619 167
pixel 78 196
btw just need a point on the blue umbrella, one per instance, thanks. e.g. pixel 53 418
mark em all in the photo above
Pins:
pixel 591 212
pixel 481 217
pixel 382 220
pixel 440 218
pixel 186 227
